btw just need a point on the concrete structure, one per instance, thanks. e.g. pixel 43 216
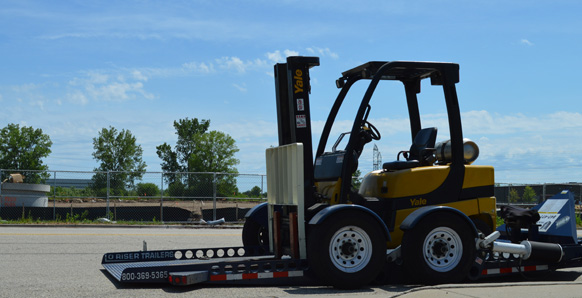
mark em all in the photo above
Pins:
pixel 24 194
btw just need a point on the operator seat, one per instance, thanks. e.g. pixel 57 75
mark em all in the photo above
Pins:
pixel 420 153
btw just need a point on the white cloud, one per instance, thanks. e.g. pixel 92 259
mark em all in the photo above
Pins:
pixel 199 67
pixel 98 86
pixel 31 94
pixel 25 88
pixel 38 103
pixel 227 63
pixel 322 52
pixel 240 66
pixel 290 53
pixel 77 97
pixel 115 91
pixel 138 75
pixel 97 78
pixel 250 129
pixel 526 42
pixel 277 57
pixel 232 63
pixel 242 87
pixel 484 122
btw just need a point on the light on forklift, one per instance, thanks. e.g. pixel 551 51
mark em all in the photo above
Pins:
pixel 444 153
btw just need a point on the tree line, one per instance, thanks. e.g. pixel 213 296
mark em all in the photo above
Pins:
pixel 197 149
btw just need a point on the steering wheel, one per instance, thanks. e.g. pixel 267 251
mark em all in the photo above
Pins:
pixel 372 130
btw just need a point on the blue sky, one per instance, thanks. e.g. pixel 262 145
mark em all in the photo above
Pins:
pixel 74 67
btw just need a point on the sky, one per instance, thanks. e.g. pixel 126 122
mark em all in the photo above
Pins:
pixel 72 68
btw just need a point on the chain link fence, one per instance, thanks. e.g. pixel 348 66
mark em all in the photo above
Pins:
pixel 73 196
pixel 529 195
pixel 532 194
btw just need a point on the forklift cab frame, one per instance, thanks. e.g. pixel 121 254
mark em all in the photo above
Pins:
pixel 340 165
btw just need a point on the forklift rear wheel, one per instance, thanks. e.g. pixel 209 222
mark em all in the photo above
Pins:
pixel 439 249
pixel 347 250
pixel 254 234
pixel 481 226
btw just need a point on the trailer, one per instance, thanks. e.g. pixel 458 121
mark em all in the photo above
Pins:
pixel 431 215
pixel 557 246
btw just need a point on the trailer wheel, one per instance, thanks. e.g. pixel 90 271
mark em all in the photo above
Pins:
pixel 439 249
pixel 254 234
pixel 346 251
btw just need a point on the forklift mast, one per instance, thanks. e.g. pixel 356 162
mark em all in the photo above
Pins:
pixel 293 113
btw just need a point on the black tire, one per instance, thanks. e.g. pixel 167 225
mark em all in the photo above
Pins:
pixel 254 234
pixel 347 250
pixel 482 227
pixel 439 249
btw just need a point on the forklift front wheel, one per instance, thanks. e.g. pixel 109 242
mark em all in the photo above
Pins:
pixel 254 234
pixel 346 250
pixel 439 249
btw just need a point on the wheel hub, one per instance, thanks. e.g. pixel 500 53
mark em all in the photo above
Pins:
pixel 350 249
pixel 442 249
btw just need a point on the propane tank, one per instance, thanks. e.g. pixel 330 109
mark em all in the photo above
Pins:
pixel 444 154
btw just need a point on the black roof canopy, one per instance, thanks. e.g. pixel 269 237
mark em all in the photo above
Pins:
pixel 406 71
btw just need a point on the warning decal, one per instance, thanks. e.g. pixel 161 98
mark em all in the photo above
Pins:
pixel 301 121
pixel 549 213
pixel 300 104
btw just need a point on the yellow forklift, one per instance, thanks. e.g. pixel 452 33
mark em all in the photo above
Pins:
pixel 348 231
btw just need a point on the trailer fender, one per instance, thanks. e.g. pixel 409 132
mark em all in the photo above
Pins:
pixel 411 220
pixel 258 214
pixel 323 214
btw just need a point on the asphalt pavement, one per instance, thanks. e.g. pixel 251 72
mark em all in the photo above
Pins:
pixel 41 261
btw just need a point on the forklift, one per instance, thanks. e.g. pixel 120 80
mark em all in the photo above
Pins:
pixel 349 231
pixel 431 212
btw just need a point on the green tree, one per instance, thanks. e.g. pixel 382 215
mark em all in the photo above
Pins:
pixel 356 179
pixel 199 150
pixel 255 192
pixel 189 132
pixel 117 152
pixel 215 154
pixel 23 148
pixel 513 196
pixel 529 195
pixel 226 185
pixel 147 189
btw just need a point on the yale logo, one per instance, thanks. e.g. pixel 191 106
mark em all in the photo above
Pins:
pixel 417 202
pixel 298 81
